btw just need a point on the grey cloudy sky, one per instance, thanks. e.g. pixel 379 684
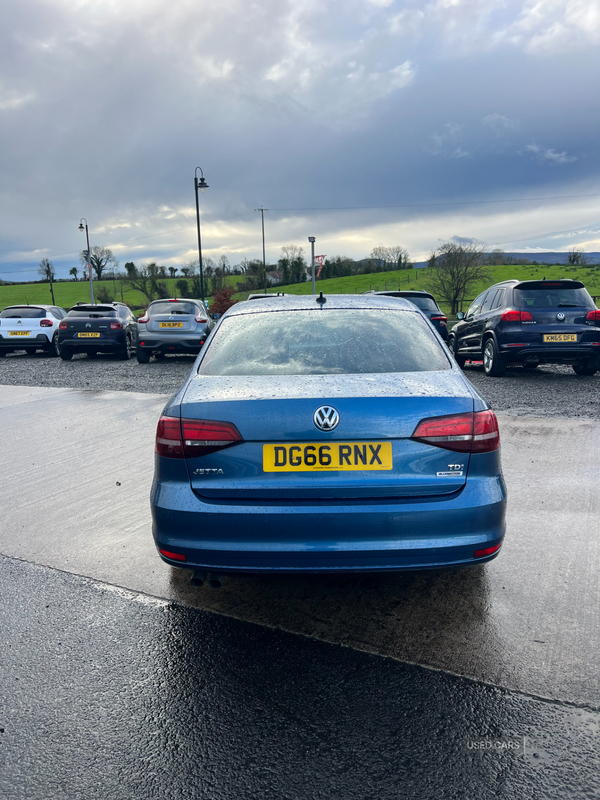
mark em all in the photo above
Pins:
pixel 106 107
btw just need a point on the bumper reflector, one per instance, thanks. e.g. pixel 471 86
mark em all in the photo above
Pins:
pixel 174 556
pixel 487 551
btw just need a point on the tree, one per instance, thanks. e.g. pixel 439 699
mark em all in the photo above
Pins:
pixel 222 301
pixel 46 270
pixel 146 280
pixel 173 271
pixel 130 269
pixel 100 258
pixel 73 272
pixel 390 258
pixel 456 269
pixel 182 287
pixel 577 256
pixel 104 295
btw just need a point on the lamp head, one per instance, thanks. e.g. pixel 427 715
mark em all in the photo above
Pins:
pixel 81 226
pixel 202 184
pixel 311 239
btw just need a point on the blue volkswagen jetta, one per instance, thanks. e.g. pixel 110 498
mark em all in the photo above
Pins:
pixel 327 434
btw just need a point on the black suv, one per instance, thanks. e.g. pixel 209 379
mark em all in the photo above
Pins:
pixel 106 327
pixel 426 303
pixel 530 323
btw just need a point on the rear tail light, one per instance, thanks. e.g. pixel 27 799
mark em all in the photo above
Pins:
pixel 173 556
pixel 45 323
pixel 190 438
pixel 516 316
pixel 441 319
pixel 144 317
pixel 115 326
pixel 487 551
pixel 200 318
pixel 593 316
pixel 63 325
pixel 465 433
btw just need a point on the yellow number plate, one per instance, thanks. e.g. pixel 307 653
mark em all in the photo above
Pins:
pixel 170 324
pixel 560 337
pixel 88 335
pixel 334 457
pixel 18 333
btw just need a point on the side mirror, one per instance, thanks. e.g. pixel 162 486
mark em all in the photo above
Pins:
pixel 460 315
pixel 216 316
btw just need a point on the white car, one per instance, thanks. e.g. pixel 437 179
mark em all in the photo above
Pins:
pixel 30 328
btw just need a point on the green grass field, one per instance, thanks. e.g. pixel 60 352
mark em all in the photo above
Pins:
pixel 68 293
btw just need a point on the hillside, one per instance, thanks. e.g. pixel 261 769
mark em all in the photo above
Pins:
pixel 68 293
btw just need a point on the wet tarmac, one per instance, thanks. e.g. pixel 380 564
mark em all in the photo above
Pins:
pixel 112 695
pixel 142 693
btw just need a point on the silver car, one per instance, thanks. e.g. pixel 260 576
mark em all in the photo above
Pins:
pixel 173 325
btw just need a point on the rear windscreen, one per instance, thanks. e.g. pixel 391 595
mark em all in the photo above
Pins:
pixel 172 308
pixel 92 312
pixel 325 342
pixel 424 303
pixel 23 313
pixel 552 297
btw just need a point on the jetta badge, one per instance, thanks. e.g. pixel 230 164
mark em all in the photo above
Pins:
pixel 326 418
pixel 560 316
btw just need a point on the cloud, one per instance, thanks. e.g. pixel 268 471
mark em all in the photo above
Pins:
pixel 445 143
pixel 549 155
pixel 499 123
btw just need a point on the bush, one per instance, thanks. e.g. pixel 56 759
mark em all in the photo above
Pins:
pixel 222 301
pixel 104 295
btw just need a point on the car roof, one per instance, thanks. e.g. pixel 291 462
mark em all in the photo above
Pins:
pixel 406 293
pixel 312 302
pixel 260 296
pixel 173 300
pixel 30 305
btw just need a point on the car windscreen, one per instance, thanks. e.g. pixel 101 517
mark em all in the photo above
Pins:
pixel 172 308
pixel 23 313
pixel 92 312
pixel 424 303
pixel 324 342
pixel 552 297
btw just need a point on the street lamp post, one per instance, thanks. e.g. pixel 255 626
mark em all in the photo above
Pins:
pixel 203 186
pixel 88 254
pixel 312 241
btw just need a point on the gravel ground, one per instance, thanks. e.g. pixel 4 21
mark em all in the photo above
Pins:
pixel 547 391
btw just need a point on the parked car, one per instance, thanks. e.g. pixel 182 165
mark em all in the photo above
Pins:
pixel 261 296
pixel 98 328
pixel 327 434
pixel 173 325
pixel 530 323
pixel 428 305
pixel 30 328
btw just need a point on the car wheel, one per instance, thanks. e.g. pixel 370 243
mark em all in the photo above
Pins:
pixel 452 344
pixel 66 355
pixel 587 368
pixel 492 363
pixel 54 349
pixel 125 353
pixel 143 356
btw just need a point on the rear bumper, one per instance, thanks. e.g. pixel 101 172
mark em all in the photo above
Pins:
pixel 354 536
pixel 85 345
pixel 551 354
pixel 19 342
pixel 153 345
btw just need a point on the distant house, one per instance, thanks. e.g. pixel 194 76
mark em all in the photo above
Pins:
pixel 275 276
